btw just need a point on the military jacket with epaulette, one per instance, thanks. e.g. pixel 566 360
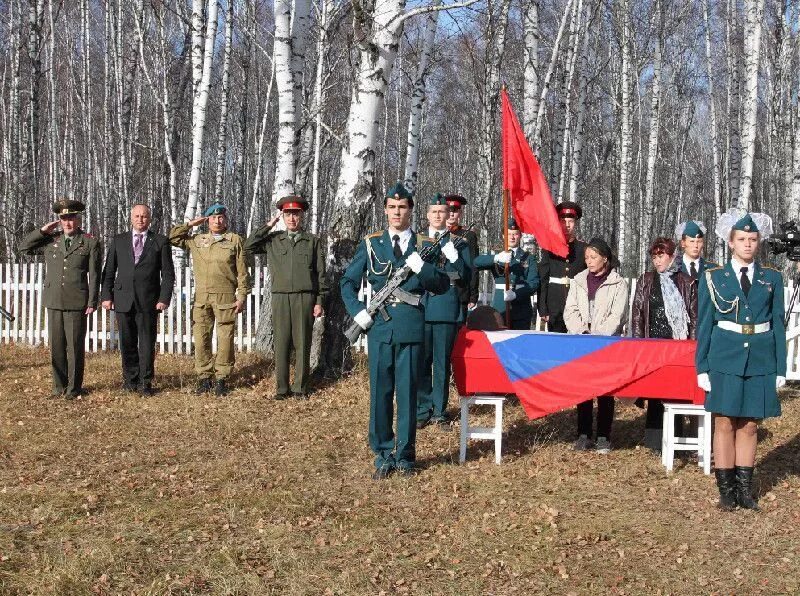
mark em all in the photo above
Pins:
pixel 72 277
pixel 523 278
pixel 446 307
pixel 752 353
pixel 469 293
pixel 553 294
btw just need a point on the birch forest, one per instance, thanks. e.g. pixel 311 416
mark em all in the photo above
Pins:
pixel 647 112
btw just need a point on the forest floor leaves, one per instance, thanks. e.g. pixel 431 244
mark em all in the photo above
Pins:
pixel 186 494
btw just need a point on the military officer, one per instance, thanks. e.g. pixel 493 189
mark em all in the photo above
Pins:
pixel 395 346
pixel 692 238
pixel 297 263
pixel 741 351
pixel 556 273
pixel 72 280
pixel 468 294
pixel 443 315
pixel 524 278
pixel 221 286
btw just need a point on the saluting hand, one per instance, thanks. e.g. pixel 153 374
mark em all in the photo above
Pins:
pixel 274 220
pixel 197 221
pixel 49 228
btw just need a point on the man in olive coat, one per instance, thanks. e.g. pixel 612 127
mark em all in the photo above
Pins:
pixel 297 264
pixel 72 262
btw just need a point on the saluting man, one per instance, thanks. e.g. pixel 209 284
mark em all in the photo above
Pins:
pixel 221 286
pixel 523 277
pixel 692 238
pixel 468 293
pixel 395 346
pixel 556 272
pixel 443 314
pixel 72 262
pixel 297 263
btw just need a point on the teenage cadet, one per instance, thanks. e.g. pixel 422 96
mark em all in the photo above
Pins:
pixel 467 293
pixel 692 238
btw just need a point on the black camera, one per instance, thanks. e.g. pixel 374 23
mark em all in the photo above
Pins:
pixel 786 241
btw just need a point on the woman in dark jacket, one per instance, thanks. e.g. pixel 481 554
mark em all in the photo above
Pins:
pixel 664 306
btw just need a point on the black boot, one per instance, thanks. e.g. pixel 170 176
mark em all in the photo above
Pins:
pixel 726 483
pixel 744 490
pixel 221 389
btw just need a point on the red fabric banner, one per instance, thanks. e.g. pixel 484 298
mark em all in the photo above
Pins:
pixel 531 202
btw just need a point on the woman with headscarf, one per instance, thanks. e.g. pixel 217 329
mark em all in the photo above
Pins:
pixel 664 306
pixel 741 352
pixel 597 304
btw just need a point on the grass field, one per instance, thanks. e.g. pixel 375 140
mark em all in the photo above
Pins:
pixel 180 494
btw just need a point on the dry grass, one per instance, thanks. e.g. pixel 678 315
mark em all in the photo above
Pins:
pixel 179 494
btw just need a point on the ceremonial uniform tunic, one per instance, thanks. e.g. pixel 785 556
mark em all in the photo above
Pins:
pixel 297 268
pixel 395 346
pixel 703 266
pixel 524 280
pixel 741 367
pixel 221 278
pixel 554 271
pixel 71 285
pixel 468 293
pixel 443 315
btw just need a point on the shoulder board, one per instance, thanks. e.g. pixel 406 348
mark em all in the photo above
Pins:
pixel 771 267
pixel 376 234
pixel 710 269
pixel 424 238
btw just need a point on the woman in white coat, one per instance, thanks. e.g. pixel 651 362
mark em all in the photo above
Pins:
pixel 597 304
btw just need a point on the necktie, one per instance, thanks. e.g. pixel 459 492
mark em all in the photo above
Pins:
pixel 745 281
pixel 398 252
pixel 436 236
pixel 693 270
pixel 137 248
pixel 67 242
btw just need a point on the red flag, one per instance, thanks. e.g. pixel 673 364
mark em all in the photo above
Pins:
pixel 531 202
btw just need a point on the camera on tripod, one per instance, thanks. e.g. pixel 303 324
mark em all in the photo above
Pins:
pixel 786 241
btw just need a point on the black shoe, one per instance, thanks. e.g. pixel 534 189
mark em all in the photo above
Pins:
pixel 146 391
pixel 281 396
pixel 726 483
pixel 423 423
pixel 203 386
pixel 221 389
pixel 407 472
pixel 382 473
pixel 744 490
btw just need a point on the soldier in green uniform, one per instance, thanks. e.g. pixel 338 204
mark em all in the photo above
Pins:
pixel 468 293
pixel 395 346
pixel 221 286
pixel 523 275
pixel 741 351
pixel 443 315
pixel 297 264
pixel 71 286
pixel 692 238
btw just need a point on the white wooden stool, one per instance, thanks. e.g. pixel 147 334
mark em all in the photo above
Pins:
pixel 702 443
pixel 482 432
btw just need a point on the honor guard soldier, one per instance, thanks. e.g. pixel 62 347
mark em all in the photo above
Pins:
pixel 221 286
pixel 395 346
pixel 692 238
pixel 741 351
pixel 72 262
pixel 297 265
pixel 443 315
pixel 523 276
pixel 469 293
pixel 556 273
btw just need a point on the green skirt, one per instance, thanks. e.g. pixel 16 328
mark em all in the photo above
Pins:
pixel 743 397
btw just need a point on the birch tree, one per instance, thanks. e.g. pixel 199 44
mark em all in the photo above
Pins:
pixel 625 128
pixel 530 87
pixel 754 13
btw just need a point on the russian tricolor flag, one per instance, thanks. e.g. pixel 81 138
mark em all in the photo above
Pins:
pixel 551 371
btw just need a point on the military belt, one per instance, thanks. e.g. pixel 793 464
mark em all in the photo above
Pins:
pixel 561 281
pixel 748 329
pixel 510 287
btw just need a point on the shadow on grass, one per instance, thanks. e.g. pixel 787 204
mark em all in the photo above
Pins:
pixel 779 464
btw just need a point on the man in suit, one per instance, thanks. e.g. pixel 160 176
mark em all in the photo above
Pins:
pixel 443 315
pixel 297 264
pixel 395 346
pixel 137 285
pixel 72 262
pixel 692 237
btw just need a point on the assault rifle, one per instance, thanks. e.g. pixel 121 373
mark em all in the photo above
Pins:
pixel 6 315
pixel 393 289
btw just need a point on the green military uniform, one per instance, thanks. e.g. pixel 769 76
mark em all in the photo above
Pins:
pixel 297 266
pixel 741 339
pixel 220 278
pixel 71 285
pixel 468 293
pixel 395 346
pixel 523 281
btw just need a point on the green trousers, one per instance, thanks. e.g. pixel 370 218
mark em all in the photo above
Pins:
pixel 208 310
pixel 393 372
pixel 434 378
pixel 66 330
pixel 292 324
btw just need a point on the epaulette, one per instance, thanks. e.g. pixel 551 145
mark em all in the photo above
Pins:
pixel 710 269
pixel 771 267
pixel 375 234
pixel 424 238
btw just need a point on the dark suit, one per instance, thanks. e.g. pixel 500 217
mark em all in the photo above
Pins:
pixel 135 289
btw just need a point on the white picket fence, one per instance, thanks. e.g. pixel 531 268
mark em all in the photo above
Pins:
pixel 21 294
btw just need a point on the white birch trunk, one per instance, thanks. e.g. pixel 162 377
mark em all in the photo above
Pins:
pixel 414 141
pixel 652 143
pixel 717 174
pixel 530 87
pixel 260 154
pixel 222 131
pixel 328 7
pixel 793 207
pixel 754 14
pixel 625 131
pixel 577 142
pixel 287 110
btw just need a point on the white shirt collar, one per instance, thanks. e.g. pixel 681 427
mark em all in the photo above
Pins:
pixel 737 268
pixel 134 232
pixel 405 237
pixel 432 233
pixel 688 261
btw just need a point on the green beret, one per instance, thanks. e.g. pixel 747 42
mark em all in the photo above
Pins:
pixel 215 209
pixel 746 224
pixel 399 191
